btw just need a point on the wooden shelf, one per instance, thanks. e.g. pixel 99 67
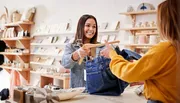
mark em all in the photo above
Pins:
pixel 135 29
pixel 73 33
pixel 6 53
pixel 12 68
pixel 42 44
pixel 139 12
pixel 17 38
pixel 103 32
pixel 35 72
pixel 43 64
pixel 55 77
pixel 19 23
pixel 53 34
pixel 133 14
pixel 154 33
pixel 46 54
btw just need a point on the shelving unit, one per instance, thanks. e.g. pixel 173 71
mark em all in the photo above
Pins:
pixel 135 30
pixel 46 79
pixel 19 23
pixel 37 63
pixel 16 38
pixel 43 44
pixel 139 12
pixel 22 42
pixel 53 55
pixel 12 68
pixel 16 54
pixel 133 14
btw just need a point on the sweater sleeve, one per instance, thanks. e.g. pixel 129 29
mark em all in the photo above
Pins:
pixel 140 70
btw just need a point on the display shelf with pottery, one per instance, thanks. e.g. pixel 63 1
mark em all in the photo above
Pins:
pixel 135 29
pixel 13 68
pixel 16 35
pixel 143 8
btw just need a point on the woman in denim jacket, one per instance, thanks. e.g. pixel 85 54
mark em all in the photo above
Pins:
pixel 87 32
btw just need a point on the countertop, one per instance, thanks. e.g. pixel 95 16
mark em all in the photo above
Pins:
pixel 128 96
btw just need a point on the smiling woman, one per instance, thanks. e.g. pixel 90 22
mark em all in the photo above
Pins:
pixel 87 32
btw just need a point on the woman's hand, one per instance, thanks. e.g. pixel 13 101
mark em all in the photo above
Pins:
pixel 105 52
pixel 80 53
pixel 83 52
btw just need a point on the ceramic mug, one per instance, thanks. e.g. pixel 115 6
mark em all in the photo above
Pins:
pixel 131 39
pixel 142 39
pixel 153 39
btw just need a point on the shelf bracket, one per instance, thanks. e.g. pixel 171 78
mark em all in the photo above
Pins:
pixel 133 17
pixel 24 27
pixel 24 58
pixel 9 57
pixel 133 32
pixel 9 71
pixel 10 43
pixel 25 75
pixel 25 43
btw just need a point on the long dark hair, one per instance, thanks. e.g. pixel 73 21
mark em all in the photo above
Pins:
pixel 80 29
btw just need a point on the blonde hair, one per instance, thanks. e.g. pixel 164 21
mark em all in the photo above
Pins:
pixel 168 22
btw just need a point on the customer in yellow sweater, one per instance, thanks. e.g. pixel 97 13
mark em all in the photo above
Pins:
pixel 158 67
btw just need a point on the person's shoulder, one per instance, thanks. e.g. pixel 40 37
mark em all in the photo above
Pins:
pixel 72 45
pixel 163 46
pixel 69 45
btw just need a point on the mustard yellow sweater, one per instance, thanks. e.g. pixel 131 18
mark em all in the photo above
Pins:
pixel 157 68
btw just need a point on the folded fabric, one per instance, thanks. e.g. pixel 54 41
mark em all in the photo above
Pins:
pixel 41 95
pixel 127 54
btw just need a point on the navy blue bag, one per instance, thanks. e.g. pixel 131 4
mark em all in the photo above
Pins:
pixel 100 79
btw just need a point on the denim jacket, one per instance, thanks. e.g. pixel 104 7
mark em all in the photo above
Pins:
pixel 77 71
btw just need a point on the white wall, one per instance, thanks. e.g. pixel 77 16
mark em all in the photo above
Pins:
pixel 57 11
